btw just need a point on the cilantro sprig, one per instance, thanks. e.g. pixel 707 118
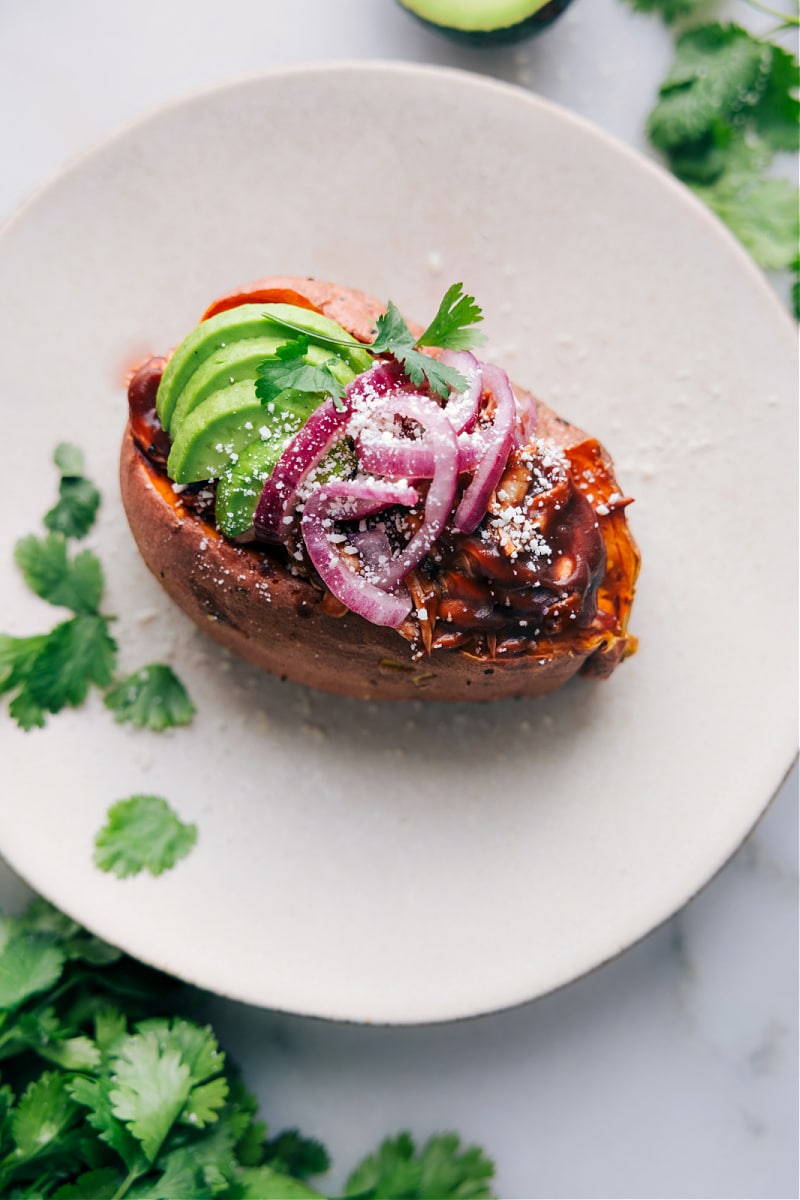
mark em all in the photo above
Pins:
pixel 109 1090
pixel 289 370
pixel 78 498
pixel 727 106
pixel 452 328
pixel 48 672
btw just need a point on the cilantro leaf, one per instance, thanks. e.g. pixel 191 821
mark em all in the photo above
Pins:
pixel 391 332
pixel 762 213
pixel 18 658
pixel 447 330
pixel 93 1094
pixel 79 500
pixel 296 1155
pixel 395 338
pixel 440 1170
pixel 94 1185
pixel 450 328
pixel 263 1183
pixel 197 1046
pixel 44 1112
pixel 152 698
pixel 74 514
pixel 719 71
pixel 142 833
pixel 669 10
pixel 288 370
pixel 152 1086
pixel 777 113
pixel 69 460
pixel 28 965
pixel 75 583
pixel 204 1103
pixel 74 655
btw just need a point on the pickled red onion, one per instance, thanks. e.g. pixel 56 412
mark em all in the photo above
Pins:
pixel 439 440
pixel 462 408
pixel 499 441
pixel 307 448
pixel 346 500
pixel 326 425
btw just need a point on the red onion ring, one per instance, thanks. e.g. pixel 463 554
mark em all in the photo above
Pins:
pixel 499 442
pixel 403 458
pixel 273 516
pixel 463 407
pixel 345 500
pixel 274 512
pixel 439 440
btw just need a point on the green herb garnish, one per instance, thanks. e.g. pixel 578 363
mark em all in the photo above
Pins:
pixel 142 834
pixel 79 499
pixel 50 671
pixel 288 370
pixel 670 10
pixel 441 1168
pixel 110 1091
pixel 151 698
pixel 728 104
pixel 75 583
pixel 451 329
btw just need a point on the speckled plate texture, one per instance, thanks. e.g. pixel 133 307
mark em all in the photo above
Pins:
pixel 416 862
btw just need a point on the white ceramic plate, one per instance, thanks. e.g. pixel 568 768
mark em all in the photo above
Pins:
pixel 403 864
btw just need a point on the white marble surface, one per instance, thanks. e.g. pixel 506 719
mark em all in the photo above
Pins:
pixel 671 1072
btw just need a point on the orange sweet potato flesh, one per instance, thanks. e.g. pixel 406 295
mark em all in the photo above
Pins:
pixel 247 599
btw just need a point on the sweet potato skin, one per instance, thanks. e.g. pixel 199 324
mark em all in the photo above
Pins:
pixel 249 601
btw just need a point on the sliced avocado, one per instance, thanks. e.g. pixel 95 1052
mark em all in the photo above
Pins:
pixel 240 487
pixel 216 432
pixel 487 22
pixel 249 321
pixel 231 364
pixel 213 335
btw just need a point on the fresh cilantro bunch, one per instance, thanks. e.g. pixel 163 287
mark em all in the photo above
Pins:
pixel 451 329
pixel 107 1092
pixel 48 672
pixel 728 105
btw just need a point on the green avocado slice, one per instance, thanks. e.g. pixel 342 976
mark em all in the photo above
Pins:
pixel 212 338
pixel 215 433
pixel 240 487
pixel 228 365
pixel 486 22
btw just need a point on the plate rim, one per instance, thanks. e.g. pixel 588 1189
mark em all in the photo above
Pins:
pixel 377 66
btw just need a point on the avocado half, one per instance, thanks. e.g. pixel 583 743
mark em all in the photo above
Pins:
pixel 486 22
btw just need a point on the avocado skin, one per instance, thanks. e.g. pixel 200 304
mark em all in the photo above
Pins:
pixel 505 35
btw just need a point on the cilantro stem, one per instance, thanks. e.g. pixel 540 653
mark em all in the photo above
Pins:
pixel 318 337
pixel 787 21
pixel 127 1183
